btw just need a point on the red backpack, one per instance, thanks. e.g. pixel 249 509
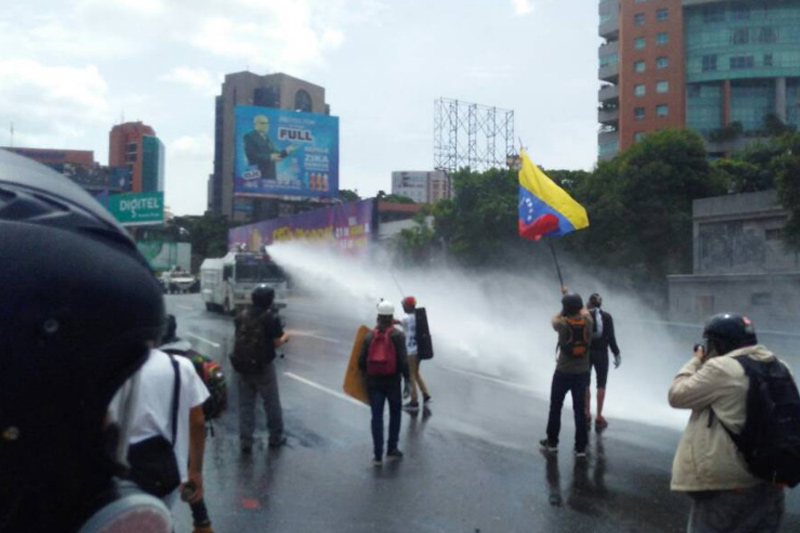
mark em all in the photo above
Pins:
pixel 381 354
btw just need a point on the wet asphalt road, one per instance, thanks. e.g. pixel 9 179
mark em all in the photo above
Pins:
pixel 471 461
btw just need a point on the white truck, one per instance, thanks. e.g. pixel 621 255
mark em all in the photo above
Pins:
pixel 227 282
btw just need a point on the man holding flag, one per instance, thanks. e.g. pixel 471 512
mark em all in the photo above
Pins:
pixel 546 209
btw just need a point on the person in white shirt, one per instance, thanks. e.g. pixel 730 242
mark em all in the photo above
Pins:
pixel 409 323
pixel 152 415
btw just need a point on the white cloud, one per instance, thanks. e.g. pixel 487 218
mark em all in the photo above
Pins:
pixel 52 103
pixel 187 169
pixel 522 7
pixel 202 80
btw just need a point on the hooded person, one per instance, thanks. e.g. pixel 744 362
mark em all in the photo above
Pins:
pixel 383 361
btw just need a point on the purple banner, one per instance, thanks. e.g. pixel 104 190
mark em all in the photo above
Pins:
pixel 348 226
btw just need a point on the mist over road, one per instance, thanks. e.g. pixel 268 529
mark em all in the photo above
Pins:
pixel 471 462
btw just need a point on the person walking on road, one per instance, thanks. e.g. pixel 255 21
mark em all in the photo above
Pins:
pixel 409 323
pixel 258 333
pixel 383 360
pixel 708 464
pixel 603 338
pixel 574 325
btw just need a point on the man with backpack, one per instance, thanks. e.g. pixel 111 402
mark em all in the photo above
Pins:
pixel 258 333
pixel 574 326
pixel 383 360
pixel 603 338
pixel 742 441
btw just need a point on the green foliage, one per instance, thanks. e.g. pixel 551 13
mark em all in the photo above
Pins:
pixel 787 171
pixel 346 195
pixel 208 234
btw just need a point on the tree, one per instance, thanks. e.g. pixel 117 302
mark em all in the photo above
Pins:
pixel 640 205
pixel 347 195
pixel 787 171
pixel 208 234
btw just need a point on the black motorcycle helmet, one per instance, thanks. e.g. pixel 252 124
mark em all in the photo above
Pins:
pixel 79 305
pixel 571 304
pixel 263 296
pixel 726 332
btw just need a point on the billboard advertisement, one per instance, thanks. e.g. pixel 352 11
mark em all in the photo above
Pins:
pixel 285 153
pixel 140 209
pixel 347 226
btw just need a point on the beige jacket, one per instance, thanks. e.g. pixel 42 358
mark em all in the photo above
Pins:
pixel 707 458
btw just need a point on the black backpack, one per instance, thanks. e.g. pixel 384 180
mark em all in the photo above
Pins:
pixel 577 344
pixel 770 439
pixel 252 349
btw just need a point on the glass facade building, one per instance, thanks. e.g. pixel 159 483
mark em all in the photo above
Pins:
pixel 738 67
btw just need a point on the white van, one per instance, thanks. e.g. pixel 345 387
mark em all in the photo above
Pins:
pixel 226 283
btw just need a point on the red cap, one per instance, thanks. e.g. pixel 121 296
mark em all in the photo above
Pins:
pixel 410 301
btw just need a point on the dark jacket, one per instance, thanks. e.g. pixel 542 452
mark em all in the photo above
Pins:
pixel 258 149
pixel 607 339
pixel 398 338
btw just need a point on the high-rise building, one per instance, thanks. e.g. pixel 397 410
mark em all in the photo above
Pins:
pixel 279 91
pixel 424 187
pixel 135 145
pixel 729 70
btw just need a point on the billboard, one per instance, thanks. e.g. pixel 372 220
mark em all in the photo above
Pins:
pixel 348 226
pixel 285 153
pixel 137 209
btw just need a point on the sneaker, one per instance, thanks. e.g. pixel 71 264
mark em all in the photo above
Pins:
pixel 580 454
pixel 277 443
pixel 411 406
pixel 377 461
pixel 394 454
pixel 546 446
pixel 427 398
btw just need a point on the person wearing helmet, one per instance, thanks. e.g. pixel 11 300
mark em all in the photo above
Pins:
pixel 383 360
pixel 74 332
pixel 255 324
pixel 574 326
pixel 603 338
pixel 707 464
pixel 409 323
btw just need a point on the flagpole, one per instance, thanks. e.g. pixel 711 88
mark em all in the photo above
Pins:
pixel 558 268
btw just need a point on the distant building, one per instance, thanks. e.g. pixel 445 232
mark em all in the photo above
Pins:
pixel 424 187
pixel 740 263
pixel 730 70
pixel 272 90
pixel 135 145
pixel 80 167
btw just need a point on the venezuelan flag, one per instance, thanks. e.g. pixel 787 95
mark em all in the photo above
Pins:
pixel 544 207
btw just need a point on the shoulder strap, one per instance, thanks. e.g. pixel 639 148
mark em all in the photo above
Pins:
pixel 175 392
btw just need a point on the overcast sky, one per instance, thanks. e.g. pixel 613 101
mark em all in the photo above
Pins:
pixel 70 70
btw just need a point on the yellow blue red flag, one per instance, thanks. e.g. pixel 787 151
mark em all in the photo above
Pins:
pixel 544 207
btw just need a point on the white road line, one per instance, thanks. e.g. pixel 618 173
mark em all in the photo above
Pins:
pixel 325 389
pixel 201 339
pixel 491 379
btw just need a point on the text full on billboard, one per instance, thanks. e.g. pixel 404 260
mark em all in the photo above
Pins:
pixel 285 153
pixel 137 209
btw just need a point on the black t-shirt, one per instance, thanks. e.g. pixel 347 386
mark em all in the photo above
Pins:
pixel 272 326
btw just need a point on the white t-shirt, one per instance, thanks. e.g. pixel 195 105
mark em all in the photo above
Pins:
pixel 153 412
pixel 410 329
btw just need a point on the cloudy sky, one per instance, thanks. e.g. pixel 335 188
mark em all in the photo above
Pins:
pixel 71 69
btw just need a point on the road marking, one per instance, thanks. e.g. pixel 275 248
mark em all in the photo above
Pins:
pixel 313 335
pixel 201 339
pixel 325 389
pixel 522 388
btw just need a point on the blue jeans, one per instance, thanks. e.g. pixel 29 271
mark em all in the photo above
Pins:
pixel 378 395
pixel 562 384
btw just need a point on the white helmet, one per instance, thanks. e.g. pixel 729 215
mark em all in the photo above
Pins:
pixel 386 308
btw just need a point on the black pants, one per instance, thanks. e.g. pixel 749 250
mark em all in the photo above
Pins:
pixel 379 393
pixel 562 384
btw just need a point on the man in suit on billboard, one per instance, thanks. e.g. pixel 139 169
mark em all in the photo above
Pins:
pixel 261 151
